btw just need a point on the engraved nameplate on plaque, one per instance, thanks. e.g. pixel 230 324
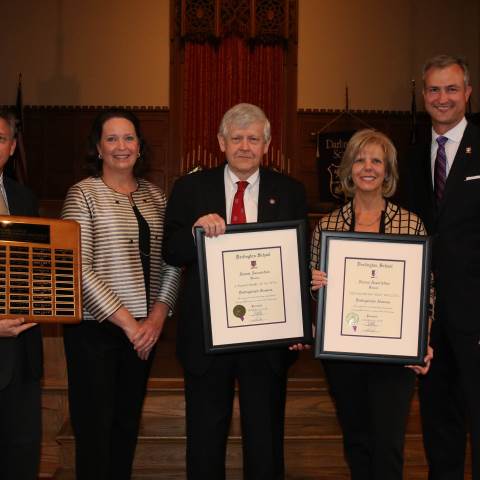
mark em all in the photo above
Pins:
pixel 40 269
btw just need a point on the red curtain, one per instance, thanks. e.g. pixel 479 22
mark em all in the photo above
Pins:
pixel 216 77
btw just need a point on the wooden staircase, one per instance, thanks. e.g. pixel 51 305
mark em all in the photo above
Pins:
pixel 313 442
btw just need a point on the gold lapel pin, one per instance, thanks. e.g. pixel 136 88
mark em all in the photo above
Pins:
pixel 272 201
pixel 468 150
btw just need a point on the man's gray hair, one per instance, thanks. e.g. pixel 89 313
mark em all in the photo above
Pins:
pixel 242 115
pixel 444 61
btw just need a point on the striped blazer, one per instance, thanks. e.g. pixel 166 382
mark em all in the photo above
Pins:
pixel 112 274
pixel 397 221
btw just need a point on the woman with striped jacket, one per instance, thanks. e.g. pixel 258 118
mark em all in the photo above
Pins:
pixel 128 291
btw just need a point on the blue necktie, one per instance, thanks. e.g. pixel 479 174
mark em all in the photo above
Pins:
pixel 440 171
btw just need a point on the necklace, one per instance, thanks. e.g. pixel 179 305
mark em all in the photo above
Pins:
pixel 371 223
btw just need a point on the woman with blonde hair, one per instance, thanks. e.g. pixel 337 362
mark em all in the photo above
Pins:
pixel 372 399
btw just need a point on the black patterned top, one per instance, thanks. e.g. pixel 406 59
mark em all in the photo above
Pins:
pixel 395 220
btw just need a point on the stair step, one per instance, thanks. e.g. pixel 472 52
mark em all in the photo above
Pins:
pixel 313 441
pixel 306 398
pixel 231 474
pixel 331 473
pixel 173 428
pixel 309 441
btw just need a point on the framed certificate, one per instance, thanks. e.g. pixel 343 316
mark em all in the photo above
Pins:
pixel 375 306
pixel 253 282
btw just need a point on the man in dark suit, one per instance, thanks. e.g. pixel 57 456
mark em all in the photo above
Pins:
pixel 209 199
pixel 444 182
pixel 20 347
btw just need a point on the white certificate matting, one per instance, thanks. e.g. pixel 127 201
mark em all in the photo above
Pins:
pixel 375 307
pixel 254 288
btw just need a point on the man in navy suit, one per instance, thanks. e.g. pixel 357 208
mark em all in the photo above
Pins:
pixel 206 199
pixel 20 347
pixel 444 179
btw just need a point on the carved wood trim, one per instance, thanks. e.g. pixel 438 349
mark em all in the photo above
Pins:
pixel 263 21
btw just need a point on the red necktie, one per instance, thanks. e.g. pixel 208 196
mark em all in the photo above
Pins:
pixel 238 208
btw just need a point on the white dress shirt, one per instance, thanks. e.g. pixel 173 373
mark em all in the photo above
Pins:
pixel 2 191
pixel 250 197
pixel 451 147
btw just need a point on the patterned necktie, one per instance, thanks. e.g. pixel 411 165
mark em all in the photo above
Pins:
pixel 238 208
pixel 440 171
pixel 3 205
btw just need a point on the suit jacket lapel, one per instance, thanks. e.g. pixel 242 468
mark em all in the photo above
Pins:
pixel 427 156
pixel 268 198
pixel 14 200
pixel 456 176
pixel 215 192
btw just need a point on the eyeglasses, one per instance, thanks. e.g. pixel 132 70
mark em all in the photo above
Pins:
pixel 4 139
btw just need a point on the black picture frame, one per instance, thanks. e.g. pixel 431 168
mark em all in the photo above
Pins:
pixel 272 308
pixel 375 305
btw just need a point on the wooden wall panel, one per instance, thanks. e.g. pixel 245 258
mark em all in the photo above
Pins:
pixel 156 130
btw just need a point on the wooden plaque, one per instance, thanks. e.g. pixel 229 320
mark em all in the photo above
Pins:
pixel 40 269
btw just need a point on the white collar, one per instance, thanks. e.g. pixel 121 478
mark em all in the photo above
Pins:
pixel 455 134
pixel 252 179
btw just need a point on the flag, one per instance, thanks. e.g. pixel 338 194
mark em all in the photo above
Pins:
pixel 413 114
pixel 330 149
pixel 21 165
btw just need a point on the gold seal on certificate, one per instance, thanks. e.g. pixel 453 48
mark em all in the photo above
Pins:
pixel 239 311
pixel 254 287
pixel 373 297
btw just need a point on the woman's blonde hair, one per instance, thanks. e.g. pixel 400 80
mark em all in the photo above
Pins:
pixel 358 142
